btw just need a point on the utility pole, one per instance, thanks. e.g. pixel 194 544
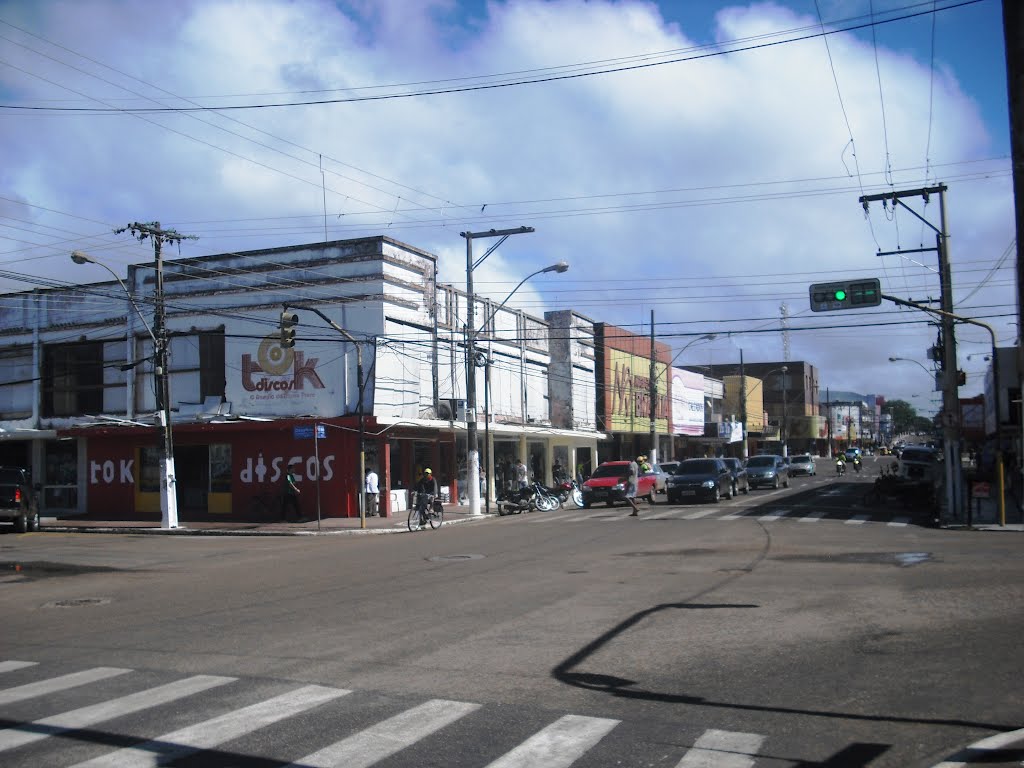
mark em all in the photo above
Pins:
pixel 653 396
pixel 950 385
pixel 153 231
pixel 743 408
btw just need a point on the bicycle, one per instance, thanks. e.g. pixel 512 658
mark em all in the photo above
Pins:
pixel 429 512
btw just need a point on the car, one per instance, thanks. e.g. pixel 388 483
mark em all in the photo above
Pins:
pixel 918 462
pixel 802 464
pixel 608 484
pixel 660 478
pixel 767 470
pixel 707 479
pixel 739 476
pixel 668 467
pixel 18 500
pixel 851 453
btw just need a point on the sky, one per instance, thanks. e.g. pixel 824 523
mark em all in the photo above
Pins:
pixel 699 160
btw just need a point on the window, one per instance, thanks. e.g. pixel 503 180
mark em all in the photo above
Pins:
pixel 73 379
pixel 220 468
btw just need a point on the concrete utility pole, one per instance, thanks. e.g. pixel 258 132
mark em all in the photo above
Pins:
pixel 153 231
pixel 950 385
pixel 653 393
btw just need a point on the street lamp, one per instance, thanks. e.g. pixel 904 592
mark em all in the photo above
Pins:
pixel 653 384
pixel 909 360
pixel 168 499
pixel 472 437
pixel 705 337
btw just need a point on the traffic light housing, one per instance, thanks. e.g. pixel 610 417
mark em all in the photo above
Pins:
pixel 288 322
pixel 845 294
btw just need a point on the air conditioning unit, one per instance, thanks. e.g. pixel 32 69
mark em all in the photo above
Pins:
pixel 452 409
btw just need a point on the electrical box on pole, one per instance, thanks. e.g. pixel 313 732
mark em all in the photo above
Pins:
pixel 845 294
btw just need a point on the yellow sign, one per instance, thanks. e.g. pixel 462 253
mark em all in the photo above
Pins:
pixel 628 393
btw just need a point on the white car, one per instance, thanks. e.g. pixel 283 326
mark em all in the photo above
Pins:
pixel 802 464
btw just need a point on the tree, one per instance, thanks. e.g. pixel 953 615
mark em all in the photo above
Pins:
pixel 904 416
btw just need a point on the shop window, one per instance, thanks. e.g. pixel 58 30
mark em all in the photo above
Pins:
pixel 60 475
pixel 16 388
pixel 72 382
pixel 220 468
pixel 149 469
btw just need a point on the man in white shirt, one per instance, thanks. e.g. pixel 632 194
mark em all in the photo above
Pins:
pixel 372 492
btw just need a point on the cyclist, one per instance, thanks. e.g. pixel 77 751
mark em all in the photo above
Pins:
pixel 426 491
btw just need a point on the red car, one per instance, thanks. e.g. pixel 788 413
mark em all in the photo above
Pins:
pixel 608 484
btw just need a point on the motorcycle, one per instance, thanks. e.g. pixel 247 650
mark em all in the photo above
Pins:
pixel 517 501
pixel 840 468
pixel 546 498
pixel 856 465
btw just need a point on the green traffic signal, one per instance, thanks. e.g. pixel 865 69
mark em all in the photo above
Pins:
pixel 840 295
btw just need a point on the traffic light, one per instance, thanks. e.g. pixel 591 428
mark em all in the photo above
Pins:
pixel 288 323
pixel 845 294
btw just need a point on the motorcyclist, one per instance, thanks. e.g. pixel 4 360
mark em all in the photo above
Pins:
pixel 840 465
pixel 856 463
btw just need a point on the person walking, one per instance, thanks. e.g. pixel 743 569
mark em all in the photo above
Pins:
pixel 631 481
pixel 372 492
pixel 520 474
pixel 290 495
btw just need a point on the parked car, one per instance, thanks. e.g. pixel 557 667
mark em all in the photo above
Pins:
pixel 608 484
pixel 802 464
pixel 707 479
pixel 18 501
pixel 918 462
pixel 739 476
pixel 767 470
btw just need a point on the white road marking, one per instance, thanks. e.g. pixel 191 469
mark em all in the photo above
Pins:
pixel 384 739
pixel 722 749
pixel 811 518
pixel 108 710
pixel 62 683
pixel 971 755
pixel 771 518
pixel 899 522
pixel 210 733
pixel 699 514
pixel 10 666
pixel 858 519
pixel 559 745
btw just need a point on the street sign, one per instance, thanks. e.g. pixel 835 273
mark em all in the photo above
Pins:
pixel 845 294
pixel 306 432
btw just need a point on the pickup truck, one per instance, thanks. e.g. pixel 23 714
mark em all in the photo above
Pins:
pixel 18 502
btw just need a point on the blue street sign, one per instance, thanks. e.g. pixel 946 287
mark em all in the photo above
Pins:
pixel 306 432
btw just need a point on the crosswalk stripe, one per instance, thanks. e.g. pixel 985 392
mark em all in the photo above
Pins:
pixel 10 666
pixel 62 683
pixel 771 518
pixel 698 514
pixel 108 710
pixel 813 517
pixel 390 736
pixel 722 749
pixel 733 516
pixel 210 733
pixel 559 745
pixel 858 519
pixel 900 522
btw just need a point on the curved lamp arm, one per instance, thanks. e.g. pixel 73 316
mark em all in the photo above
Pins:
pixel 79 257
pixel 559 267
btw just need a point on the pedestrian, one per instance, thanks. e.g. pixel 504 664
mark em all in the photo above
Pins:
pixel 372 492
pixel 631 480
pixel 290 495
pixel 520 474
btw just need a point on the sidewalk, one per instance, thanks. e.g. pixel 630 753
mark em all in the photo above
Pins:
pixel 327 526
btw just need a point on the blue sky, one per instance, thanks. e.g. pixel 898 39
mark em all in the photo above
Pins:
pixel 710 191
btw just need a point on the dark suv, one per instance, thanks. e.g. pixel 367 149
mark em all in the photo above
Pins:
pixel 18 502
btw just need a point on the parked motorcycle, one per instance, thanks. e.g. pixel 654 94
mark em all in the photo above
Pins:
pixel 517 501
pixel 546 498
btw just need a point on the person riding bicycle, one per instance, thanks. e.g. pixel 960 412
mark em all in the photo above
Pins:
pixel 425 488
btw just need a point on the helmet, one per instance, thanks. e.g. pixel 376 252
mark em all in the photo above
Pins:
pixel 427 471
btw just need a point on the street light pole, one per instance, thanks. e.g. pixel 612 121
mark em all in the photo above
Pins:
pixel 653 385
pixel 472 436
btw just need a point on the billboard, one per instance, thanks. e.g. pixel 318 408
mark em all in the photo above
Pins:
pixel 628 388
pixel 687 402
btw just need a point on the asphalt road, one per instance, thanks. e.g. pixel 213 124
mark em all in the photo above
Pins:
pixel 781 628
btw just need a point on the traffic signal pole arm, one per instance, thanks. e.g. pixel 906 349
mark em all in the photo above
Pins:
pixel 995 384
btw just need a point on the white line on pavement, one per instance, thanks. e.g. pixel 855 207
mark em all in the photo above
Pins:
pixel 10 666
pixel 559 745
pixel 210 733
pixel 771 518
pixel 390 736
pixel 858 519
pixel 811 518
pixel 899 522
pixel 108 710
pixel 722 749
pixel 61 683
